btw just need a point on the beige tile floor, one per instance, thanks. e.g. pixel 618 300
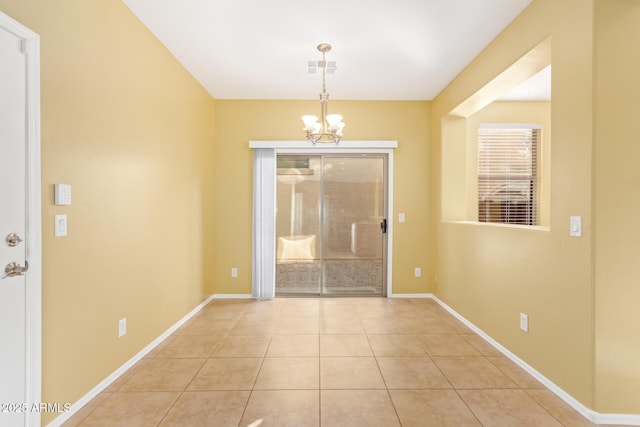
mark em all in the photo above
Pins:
pixel 329 362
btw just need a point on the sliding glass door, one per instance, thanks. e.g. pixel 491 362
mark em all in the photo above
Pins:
pixel 330 224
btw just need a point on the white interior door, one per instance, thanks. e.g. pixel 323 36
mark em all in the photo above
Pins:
pixel 19 227
pixel 12 222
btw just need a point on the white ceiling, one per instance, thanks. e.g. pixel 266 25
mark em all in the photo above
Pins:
pixel 384 49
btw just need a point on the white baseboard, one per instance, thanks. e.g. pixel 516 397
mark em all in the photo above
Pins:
pixel 58 421
pixel 617 419
pixel 231 296
pixel 591 415
pixel 410 296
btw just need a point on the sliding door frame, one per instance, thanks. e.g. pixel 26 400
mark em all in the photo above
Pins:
pixel 264 201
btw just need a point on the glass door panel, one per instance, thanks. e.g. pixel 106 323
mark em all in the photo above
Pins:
pixel 353 201
pixel 298 243
pixel 329 239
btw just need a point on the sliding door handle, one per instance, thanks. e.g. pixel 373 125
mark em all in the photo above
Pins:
pixel 383 226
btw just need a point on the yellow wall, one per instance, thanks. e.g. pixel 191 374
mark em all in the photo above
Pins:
pixel 490 274
pixel 161 213
pixel 238 122
pixel 617 206
pixel 132 132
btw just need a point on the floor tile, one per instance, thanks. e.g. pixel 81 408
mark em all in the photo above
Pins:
pixel 205 326
pixel 516 373
pixel 164 375
pixel 397 345
pixel 222 373
pixel 297 326
pixel 426 408
pixel 158 348
pixel 561 411
pixel 481 345
pixel 357 408
pixel 338 310
pixel 433 326
pixel 416 326
pixel 136 409
pixel 122 379
pixel 222 313
pixel 253 327
pixel 189 346
pixel 207 408
pixel 87 409
pixel 373 311
pixel 265 306
pixel 289 373
pixel 301 309
pixel 295 408
pixel 411 373
pixel 294 346
pixel 259 316
pixel 344 345
pixel 340 325
pixel 472 372
pixel 380 326
pixel 507 408
pixel 457 325
pixel 448 345
pixel 350 373
pixel 242 346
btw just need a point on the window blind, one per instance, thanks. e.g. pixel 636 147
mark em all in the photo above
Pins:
pixel 507 174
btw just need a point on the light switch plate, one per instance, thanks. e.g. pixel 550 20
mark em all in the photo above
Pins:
pixel 524 322
pixel 60 225
pixel 575 226
pixel 401 217
pixel 122 327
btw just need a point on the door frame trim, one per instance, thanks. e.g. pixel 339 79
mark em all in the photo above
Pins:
pixel 264 202
pixel 33 240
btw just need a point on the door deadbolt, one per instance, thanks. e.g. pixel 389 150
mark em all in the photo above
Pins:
pixel 13 240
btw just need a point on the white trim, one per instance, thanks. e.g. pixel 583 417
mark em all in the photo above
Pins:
pixel 122 369
pixel 232 296
pixel 509 126
pixel 33 279
pixel 399 296
pixel 617 419
pixel 591 415
pixel 306 145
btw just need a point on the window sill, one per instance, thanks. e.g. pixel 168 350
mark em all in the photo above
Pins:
pixel 544 228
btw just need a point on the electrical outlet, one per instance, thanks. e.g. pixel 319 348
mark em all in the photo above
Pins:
pixel 122 327
pixel 524 322
pixel 417 272
pixel 234 272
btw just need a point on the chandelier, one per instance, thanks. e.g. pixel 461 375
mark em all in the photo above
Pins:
pixel 330 125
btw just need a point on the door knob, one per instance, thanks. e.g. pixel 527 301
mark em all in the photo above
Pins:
pixel 14 269
pixel 13 240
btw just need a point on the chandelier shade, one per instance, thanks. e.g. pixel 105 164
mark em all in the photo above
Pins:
pixel 328 125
